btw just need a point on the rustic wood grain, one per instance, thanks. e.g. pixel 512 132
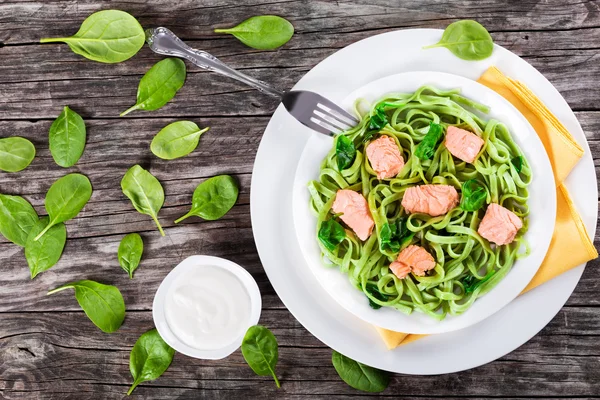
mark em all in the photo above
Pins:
pixel 50 350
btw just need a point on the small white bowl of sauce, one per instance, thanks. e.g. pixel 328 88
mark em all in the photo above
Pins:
pixel 204 307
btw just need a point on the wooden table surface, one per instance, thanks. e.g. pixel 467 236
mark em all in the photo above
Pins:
pixel 49 349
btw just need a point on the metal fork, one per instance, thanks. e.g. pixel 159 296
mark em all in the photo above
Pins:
pixel 311 109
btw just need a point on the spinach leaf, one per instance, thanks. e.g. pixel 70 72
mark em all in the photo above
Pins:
pixel 130 252
pixel 331 234
pixel 426 149
pixel 466 39
pixel 17 217
pixel 145 192
pixel 379 119
pixel 108 36
pixel 260 351
pixel 470 283
pixel 263 32
pixel 176 140
pixel 473 195
pixel 65 198
pixel 393 236
pixel 159 85
pixel 150 357
pixel 43 254
pixel 103 304
pixel 360 376
pixel 67 138
pixel 345 152
pixel 517 162
pixel 16 153
pixel 372 289
pixel 213 198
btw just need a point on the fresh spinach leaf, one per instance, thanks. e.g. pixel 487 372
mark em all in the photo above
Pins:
pixel 103 304
pixel 65 198
pixel 263 32
pixel 473 195
pixel 159 85
pixel 345 152
pixel 43 254
pixel 176 140
pixel 372 289
pixel 393 236
pixel 213 198
pixel 426 149
pixel 260 351
pixel 130 252
pixel 17 217
pixel 108 36
pixel 16 153
pixel 517 162
pixel 150 357
pixel 379 119
pixel 466 39
pixel 470 283
pixel 145 192
pixel 331 234
pixel 360 376
pixel 67 138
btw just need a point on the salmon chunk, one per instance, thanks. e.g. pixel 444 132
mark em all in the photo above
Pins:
pixel 463 144
pixel 413 259
pixel 499 225
pixel 430 199
pixel 385 157
pixel 355 212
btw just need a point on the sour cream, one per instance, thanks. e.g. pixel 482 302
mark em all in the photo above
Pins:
pixel 205 305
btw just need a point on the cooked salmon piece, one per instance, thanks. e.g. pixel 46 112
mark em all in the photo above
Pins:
pixel 355 212
pixel 385 157
pixel 430 199
pixel 413 259
pixel 463 144
pixel 499 225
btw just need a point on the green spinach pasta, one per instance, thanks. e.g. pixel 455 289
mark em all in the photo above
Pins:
pixel 464 265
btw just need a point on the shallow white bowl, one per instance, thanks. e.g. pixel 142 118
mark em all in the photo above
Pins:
pixel 186 266
pixel 542 204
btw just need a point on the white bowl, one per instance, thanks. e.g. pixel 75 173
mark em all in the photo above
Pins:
pixel 186 266
pixel 542 204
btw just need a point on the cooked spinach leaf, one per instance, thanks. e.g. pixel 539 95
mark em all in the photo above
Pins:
pixel 65 198
pixel 43 254
pixel 379 119
pixel 17 217
pixel 372 289
pixel 331 234
pixel 466 39
pixel 150 357
pixel 517 162
pixel 345 152
pixel 213 198
pixel 103 304
pixel 108 36
pixel 360 376
pixel 130 252
pixel 260 351
pixel 176 140
pixel 393 236
pixel 16 153
pixel 473 195
pixel 159 85
pixel 426 149
pixel 262 32
pixel 67 138
pixel 470 283
pixel 145 192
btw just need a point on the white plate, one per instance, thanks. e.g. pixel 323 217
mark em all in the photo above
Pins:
pixel 271 209
pixel 542 202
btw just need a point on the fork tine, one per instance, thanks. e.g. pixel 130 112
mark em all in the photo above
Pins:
pixel 339 125
pixel 331 130
pixel 337 111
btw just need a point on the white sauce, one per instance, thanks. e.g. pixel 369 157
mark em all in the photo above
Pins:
pixel 208 308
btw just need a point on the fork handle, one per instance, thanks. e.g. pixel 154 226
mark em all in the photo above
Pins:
pixel 176 47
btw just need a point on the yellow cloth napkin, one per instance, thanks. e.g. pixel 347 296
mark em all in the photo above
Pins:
pixel 570 245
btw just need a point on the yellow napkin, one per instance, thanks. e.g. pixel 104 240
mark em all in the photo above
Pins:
pixel 570 245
